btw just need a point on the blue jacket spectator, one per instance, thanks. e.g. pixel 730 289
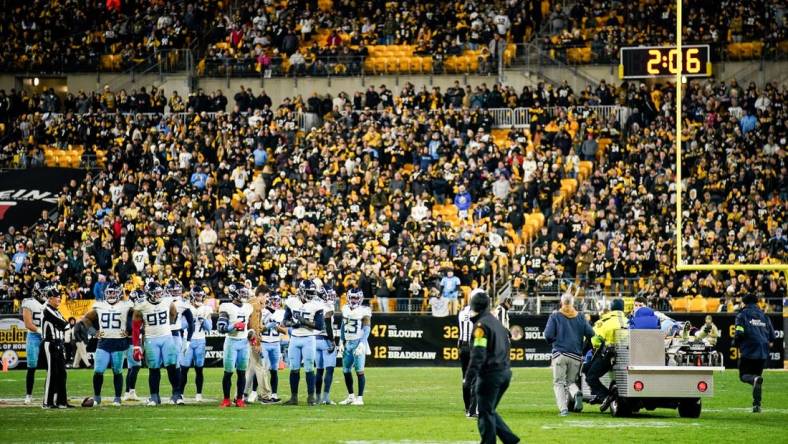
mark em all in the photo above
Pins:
pixel 260 157
pixel 566 329
pixel 748 122
pixel 99 287
pixel 450 285
pixel 199 179
pixel 462 200
pixel 644 319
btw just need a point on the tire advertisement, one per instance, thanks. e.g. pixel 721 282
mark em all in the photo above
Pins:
pixel 422 341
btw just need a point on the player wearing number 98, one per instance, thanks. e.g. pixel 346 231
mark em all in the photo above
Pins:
pixel 32 309
pixel 356 319
pixel 304 318
pixel 112 318
pixel 157 312
pixel 233 321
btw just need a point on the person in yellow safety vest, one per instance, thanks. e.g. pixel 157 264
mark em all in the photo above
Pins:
pixel 603 341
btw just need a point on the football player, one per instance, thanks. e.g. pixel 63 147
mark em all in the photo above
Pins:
pixel 32 308
pixel 157 312
pixel 112 318
pixel 183 321
pixel 233 320
pixel 354 333
pixel 326 347
pixel 273 316
pixel 195 353
pixel 135 297
pixel 304 319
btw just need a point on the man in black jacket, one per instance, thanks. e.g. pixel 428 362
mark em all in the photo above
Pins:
pixel 754 337
pixel 52 354
pixel 489 370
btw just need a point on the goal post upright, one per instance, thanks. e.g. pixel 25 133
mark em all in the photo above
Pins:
pixel 680 265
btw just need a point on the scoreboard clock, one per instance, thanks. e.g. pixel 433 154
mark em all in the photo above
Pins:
pixel 643 62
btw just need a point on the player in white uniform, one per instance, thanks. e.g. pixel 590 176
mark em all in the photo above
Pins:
pixel 326 347
pixel 32 308
pixel 234 321
pixel 112 319
pixel 183 326
pixel 304 319
pixel 195 353
pixel 356 320
pixel 273 316
pixel 157 312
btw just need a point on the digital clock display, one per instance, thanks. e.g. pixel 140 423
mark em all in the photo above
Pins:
pixel 660 61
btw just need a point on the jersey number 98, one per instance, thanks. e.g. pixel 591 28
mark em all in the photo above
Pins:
pixel 154 319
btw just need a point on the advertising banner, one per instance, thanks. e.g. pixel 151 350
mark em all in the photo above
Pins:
pixel 24 194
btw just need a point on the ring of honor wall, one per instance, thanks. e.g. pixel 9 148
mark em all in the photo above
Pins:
pixel 424 341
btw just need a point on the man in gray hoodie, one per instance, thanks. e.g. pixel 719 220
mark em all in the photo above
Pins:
pixel 565 330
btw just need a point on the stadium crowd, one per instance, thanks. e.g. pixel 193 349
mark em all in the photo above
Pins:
pixel 604 27
pixel 393 190
pixel 305 40
pixel 67 36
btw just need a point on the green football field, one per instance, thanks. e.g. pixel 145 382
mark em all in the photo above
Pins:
pixel 402 405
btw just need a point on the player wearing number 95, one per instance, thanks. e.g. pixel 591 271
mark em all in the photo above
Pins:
pixel 304 318
pixel 354 333
pixel 233 321
pixel 112 318
pixel 157 312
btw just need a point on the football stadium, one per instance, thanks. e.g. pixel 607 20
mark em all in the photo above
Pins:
pixel 414 221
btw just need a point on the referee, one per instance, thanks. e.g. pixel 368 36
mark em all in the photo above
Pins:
pixel 464 344
pixel 489 370
pixel 52 354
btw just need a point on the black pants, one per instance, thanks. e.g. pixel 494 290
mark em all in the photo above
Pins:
pixel 749 369
pixel 490 388
pixel 601 363
pixel 52 357
pixel 467 393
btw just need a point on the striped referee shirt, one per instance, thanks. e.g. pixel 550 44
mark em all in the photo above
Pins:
pixel 466 326
pixel 503 315
pixel 53 324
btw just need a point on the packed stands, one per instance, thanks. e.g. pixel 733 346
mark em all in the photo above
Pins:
pixel 593 31
pixel 410 184
pixel 72 36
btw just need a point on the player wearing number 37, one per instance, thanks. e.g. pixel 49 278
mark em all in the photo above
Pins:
pixel 234 321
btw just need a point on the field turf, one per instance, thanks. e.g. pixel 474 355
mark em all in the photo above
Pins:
pixel 403 405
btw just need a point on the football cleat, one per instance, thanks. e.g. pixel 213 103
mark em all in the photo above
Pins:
pixel 131 395
pixel 291 401
pixel 358 401
pixel 578 407
pixel 198 397
pixel 28 399
pixel 349 400
pixel 179 401
pixel 151 403
pixel 328 402
pixel 252 397
pixel 240 403
pixel 756 409
pixel 116 402
pixel 311 400
pixel 225 403
pixel 269 400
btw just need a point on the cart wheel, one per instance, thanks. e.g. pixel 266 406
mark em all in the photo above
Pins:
pixel 690 408
pixel 619 408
